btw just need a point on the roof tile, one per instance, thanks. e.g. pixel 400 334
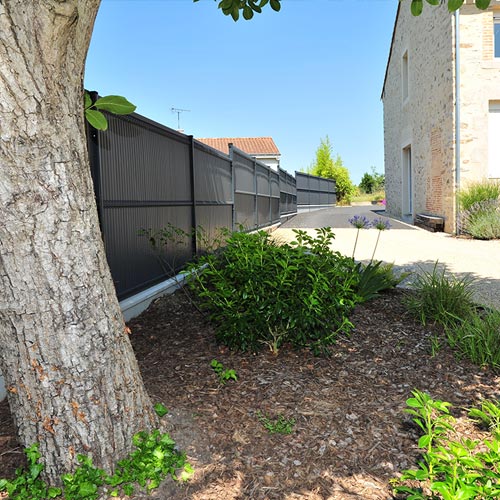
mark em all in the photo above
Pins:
pixel 250 145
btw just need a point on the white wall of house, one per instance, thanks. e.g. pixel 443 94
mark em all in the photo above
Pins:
pixel 419 115
pixel 270 161
pixel 479 94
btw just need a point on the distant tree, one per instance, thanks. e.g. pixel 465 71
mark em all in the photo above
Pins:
pixel 367 183
pixel 373 182
pixel 326 166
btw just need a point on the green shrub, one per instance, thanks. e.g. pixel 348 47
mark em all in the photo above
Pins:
pixel 260 293
pixel 446 300
pixel 451 468
pixel 478 338
pixel 477 192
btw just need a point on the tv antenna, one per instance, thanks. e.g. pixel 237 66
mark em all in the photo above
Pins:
pixel 179 111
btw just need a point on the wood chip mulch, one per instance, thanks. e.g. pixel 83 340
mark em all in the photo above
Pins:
pixel 351 435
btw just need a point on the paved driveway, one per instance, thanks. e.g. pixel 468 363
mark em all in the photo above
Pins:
pixel 408 247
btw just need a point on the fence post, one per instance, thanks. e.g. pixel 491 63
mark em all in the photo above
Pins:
pixel 270 194
pixel 194 242
pixel 233 187
pixel 256 198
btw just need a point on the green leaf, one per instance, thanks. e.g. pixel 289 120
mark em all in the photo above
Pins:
pixel 96 119
pixel 247 12
pixel 417 7
pixel 235 12
pixel 160 409
pixel 454 5
pixel 483 4
pixel 54 492
pixel 87 489
pixel 275 5
pixel 87 100
pixel 424 441
pixel 413 402
pixel 433 2
pixel 115 104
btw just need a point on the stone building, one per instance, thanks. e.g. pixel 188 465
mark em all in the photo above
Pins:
pixel 441 98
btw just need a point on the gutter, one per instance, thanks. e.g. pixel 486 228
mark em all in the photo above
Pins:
pixel 457 116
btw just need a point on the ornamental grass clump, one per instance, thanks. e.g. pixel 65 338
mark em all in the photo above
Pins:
pixel 478 338
pixel 440 298
pixel 259 293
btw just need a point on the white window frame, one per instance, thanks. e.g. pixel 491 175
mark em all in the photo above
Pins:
pixel 494 140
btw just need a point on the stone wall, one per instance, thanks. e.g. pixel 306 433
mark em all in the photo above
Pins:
pixel 425 120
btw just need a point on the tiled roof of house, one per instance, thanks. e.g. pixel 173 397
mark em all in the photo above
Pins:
pixel 251 145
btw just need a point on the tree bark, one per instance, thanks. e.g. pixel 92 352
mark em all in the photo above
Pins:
pixel 72 379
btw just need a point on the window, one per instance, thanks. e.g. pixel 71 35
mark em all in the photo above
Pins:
pixel 407 182
pixel 496 33
pixel 494 140
pixel 404 69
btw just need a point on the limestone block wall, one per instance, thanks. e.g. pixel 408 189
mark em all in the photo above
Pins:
pixel 479 85
pixel 424 121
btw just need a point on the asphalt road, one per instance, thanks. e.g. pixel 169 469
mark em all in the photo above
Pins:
pixel 338 217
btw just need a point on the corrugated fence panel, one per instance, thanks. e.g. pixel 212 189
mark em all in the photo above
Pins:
pixel 245 210
pixel 213 176
pixel 213 193
pixel 288 193
pixel 133 261
pixel 140 162
pixel 315 191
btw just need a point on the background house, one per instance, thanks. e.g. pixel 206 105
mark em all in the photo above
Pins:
pixel 441 98
pixel 262 148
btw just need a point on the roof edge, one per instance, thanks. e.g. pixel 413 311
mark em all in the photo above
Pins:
pixel 390 50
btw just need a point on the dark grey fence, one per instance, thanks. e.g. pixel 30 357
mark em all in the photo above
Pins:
pixel 256 191
pixel 313 191
pixel 148 176
pixel 288 193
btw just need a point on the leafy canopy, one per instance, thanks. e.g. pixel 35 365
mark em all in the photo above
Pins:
pixel 248 7
pixel 232 7
pixel 417 6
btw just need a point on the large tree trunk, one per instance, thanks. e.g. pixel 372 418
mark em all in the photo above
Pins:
pixel 72 378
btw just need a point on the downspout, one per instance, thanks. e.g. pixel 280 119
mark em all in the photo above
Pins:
pixel 457 116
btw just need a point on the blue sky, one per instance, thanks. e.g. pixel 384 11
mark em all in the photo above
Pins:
pixel 314 69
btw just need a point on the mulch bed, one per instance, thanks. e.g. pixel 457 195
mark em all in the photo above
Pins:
pixel 351 435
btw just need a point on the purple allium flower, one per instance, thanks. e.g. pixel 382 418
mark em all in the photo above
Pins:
pixel 359 222
pixel 381 224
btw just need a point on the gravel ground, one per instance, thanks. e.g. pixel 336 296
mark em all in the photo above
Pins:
pixel 408 247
